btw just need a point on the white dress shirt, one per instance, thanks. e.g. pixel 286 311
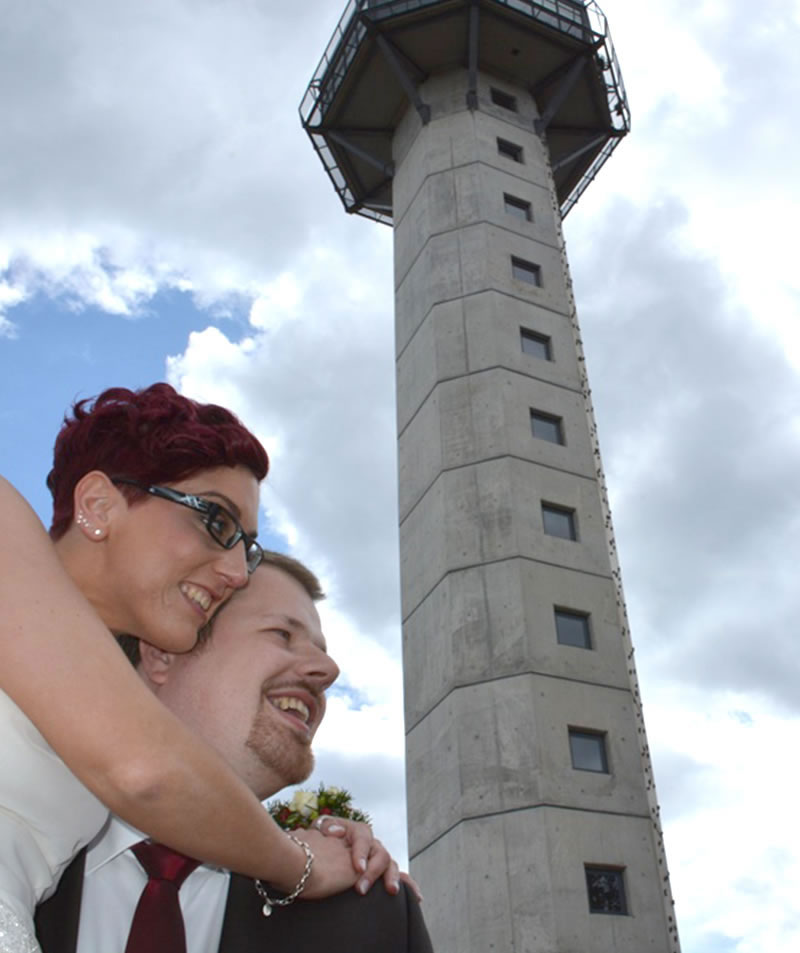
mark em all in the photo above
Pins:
pixel 113 883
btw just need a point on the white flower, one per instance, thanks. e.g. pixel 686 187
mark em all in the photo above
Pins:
pixel 304 803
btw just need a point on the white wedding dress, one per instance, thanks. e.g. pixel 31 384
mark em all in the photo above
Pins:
pixel 46 816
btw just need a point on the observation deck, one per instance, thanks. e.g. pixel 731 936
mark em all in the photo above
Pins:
pixel 383 50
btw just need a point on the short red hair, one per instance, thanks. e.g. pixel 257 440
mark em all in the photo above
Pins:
pixel 154 435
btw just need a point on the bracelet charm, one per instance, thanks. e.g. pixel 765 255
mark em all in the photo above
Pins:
pixel 270 902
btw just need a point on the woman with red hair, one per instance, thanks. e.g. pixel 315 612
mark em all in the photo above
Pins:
pixel 155 513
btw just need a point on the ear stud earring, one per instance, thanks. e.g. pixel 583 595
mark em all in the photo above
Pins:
pixel 84 524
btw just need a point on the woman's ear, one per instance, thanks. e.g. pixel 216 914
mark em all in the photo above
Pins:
pixel 96 500
pixel 154 663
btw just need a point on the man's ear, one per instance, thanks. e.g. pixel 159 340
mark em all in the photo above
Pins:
pixel 155 663
pixel 96 501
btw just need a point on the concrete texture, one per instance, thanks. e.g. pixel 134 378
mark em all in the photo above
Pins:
pixel 501 823
pixel 516 881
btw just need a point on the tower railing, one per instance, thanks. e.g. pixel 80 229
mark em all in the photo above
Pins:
pixel 583 20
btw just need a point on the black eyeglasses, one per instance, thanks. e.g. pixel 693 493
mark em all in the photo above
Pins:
pixel 222 525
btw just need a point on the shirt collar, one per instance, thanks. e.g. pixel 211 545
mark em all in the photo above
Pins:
pixel 114 839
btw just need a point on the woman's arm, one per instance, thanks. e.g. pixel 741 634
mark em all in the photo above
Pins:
pixel 60 664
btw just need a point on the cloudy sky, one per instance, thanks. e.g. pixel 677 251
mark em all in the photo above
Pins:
pixel 164 216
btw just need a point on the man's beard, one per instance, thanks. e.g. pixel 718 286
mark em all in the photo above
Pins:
pixel 279 749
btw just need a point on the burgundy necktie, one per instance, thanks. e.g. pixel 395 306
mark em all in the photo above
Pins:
pixel 157 925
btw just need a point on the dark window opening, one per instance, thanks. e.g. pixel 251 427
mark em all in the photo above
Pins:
pixel 526 271
pixel 546 427
pixel 506 100
pixel 510 150
pixel 588 750
pixel 572 628
pixel 606 889
pixel 559 521
pixel 519 208
pixel 538 345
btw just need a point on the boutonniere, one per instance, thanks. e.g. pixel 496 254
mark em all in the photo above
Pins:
pixel 306 806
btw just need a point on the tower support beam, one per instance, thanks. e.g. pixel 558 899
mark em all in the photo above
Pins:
pixel 392 57
pixel 566 83
pixel 368 157
pixel 563 160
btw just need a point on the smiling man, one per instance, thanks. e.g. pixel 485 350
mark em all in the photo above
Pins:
pixel 254 688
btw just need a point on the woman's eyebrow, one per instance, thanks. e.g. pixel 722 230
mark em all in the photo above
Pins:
pixel 229 504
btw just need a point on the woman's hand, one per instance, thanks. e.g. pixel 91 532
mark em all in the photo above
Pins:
pixel 369 857
pixel 332 871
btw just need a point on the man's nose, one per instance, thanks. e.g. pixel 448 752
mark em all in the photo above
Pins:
pixel 320 667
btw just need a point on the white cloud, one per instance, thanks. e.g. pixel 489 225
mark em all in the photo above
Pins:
pixel 739 858
pixel 9 296
pixel 318 389
pixel 157 132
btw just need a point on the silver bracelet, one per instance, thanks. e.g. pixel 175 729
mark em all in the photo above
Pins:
pixel 269 902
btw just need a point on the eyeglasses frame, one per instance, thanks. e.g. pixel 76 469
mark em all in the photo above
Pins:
pixel 208 509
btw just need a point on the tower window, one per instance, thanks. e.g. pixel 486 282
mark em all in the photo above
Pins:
pixel 546 427
pixel 510 150
pixel 572 628
pixel 519 208
pixel 506 100
pixel 536 344
pixel 526 271
pixel 606 889
pixel 588 750
pixel 559 521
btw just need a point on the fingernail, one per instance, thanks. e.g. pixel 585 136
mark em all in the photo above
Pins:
pixel 363 885
pixel 335 828
pixel 362 864
pixel 395 886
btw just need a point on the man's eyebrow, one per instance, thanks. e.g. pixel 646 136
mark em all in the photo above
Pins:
pixel 297 624
pixel 290 621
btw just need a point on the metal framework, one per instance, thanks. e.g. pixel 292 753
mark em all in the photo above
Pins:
pixel 386 37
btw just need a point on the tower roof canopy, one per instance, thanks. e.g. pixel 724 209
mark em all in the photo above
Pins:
pixel 382 50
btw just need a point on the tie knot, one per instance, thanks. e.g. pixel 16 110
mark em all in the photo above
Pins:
pixel 163 863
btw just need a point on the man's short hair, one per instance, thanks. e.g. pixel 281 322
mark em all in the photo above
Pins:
pixel 288 564
pixel 154 435
pixel 297 570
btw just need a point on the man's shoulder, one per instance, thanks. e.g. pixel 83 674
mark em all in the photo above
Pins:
pixel 375 923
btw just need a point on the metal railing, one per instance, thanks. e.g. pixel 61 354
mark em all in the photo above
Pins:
pixel 584 21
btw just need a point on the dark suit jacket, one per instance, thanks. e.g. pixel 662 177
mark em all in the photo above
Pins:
pixel 347 923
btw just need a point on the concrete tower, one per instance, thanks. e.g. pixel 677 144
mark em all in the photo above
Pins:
pixel 473 126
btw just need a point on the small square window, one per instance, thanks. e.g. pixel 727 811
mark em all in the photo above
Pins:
pixel 606 889
pixel 572 628
pixel 526 271
pixel 519 208
pixel 506 100
pixel 558 521
pixel 546 427
pixel 510 150
pixel 536 344
pixel 588 750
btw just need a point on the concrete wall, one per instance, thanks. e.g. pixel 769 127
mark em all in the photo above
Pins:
pixel 515 882
pixel 501 823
